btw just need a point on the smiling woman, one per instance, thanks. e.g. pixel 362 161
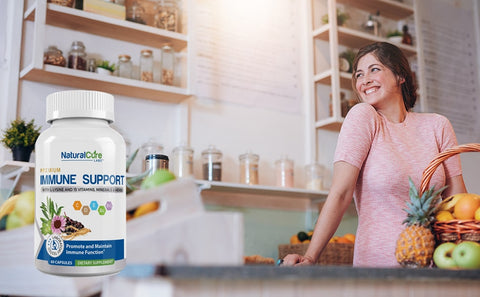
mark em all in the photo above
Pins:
pixel 381 145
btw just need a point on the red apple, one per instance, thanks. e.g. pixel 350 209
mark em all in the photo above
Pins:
pixel 442 256
pixel 467 255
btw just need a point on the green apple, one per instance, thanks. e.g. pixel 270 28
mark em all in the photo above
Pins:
pixel 24 211
pixel 467 255
pixel 160 176
pixel 442 256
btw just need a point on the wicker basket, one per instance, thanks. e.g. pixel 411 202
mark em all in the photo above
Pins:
pixel 454 230
pixel 333 254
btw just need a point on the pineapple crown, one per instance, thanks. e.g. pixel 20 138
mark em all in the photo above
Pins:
pixel 421 210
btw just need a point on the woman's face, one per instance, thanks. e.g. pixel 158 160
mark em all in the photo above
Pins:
pixel 376 84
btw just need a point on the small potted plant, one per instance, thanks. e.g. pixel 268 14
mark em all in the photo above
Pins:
pixel 395 36
pixel 105 68
pixel 20 138
pixel 342 17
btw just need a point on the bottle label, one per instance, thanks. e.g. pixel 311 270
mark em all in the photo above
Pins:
pixel 80 207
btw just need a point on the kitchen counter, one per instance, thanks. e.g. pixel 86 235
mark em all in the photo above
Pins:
pixel 263 280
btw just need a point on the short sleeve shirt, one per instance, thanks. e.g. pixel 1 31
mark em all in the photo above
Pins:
pixel 387 154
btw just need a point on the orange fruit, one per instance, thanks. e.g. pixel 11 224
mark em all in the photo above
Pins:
pixel 350 237
pixel 465 207
pixel 294 239
pixel 343 240
pixel 333 239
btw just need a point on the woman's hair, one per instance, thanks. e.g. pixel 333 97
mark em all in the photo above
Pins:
pixel 393 58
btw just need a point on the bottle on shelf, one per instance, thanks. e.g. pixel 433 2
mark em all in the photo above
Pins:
pixel 135 13
pixel 166 15
pixel 54 56
pixel 146 65
pixel 407 38
pixel 284 172
pixel 249 168
pixel 77 56
pixel 182 161
pixel 124 66
pixel 168 65
pixel 212 164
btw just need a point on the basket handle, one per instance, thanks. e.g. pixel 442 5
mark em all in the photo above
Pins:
pixel 432 166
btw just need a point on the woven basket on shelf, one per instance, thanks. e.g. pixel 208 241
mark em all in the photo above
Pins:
pixel 453 230
pixel 333 254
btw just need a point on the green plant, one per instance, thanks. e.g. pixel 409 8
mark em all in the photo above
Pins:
pixel 106 65
pixel 342 17
pixel 394 33
pixel 21 134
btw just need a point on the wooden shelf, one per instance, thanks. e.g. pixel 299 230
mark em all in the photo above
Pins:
pixel 325 78
pixel 331 124
pixel 388 8
pixel 92 23
pixel 111 84
pixel 242 195
pixel 356 39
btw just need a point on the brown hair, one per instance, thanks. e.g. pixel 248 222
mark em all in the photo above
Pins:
pixel 394 59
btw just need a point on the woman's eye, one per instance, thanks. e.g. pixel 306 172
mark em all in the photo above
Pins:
pixel 375 69
pixel 358 75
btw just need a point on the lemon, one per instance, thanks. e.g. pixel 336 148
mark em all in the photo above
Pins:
pixel 443 216
pixel 477 214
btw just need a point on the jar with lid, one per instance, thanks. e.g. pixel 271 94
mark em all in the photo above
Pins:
pixel 168 65
pixel 124 66
pixel 92 65
pixel 135 13
pixel 314 174
pixel 182 161
pixel 77 56
pixel 146 65
pixel 54 56
pixel 284 172
pixel 249 168
pixel 154 162
pixel 166 15
pixel 212 164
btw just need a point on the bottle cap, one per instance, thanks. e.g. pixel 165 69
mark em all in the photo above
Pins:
pixel 80 104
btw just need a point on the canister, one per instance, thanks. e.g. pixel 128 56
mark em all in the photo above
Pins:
pixel 249 168
pixel 182 161
pixel 212 164
pixel 154 162
pixel 284 172
pixel 314 174
pixel 146 65
pixel 168 65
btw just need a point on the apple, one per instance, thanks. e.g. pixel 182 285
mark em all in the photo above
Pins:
pixel 442 256
pixel 160 176
pixel 24 211
pixel 467 255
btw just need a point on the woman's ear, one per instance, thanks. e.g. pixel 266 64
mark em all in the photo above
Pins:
pixel 400 80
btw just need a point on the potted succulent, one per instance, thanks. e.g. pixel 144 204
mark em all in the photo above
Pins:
pixel 20 138
pixel 105 68
pixel 395 36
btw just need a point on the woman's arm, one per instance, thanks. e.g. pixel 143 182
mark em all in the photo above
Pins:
pixel 455 185
pixel 339 198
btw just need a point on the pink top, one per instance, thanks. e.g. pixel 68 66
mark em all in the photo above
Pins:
pixel 387 154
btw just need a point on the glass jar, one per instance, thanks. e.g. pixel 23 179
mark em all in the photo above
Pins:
pixel 92 65
pixel 135 13
pixel 77 56
pixel 168 65
pixel 284 172
pixel 68 3
pixel 249 168
pixel 54 56
pixel 182 161
pixel 146 65
pixel 314 174
pixel 212 164
pixel 166 15
pixel 124 66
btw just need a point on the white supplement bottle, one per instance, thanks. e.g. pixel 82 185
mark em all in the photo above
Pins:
pixel 80 197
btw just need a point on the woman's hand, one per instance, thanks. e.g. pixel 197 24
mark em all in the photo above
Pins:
pixel 297 260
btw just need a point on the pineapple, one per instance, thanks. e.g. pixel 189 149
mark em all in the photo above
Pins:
pixel 416 243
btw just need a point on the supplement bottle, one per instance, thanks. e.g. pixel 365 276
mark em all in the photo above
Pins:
pixel 80 207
